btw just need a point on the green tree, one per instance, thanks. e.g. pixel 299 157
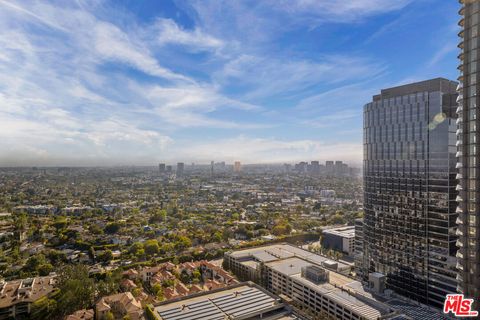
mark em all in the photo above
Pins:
pixel 151 247
pixel 112 227
pixel 77 289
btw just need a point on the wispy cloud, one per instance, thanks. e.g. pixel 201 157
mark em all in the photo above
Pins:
pixel 169 32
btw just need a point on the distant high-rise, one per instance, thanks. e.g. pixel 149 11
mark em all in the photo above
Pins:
pixel 315 167
pixel 468 158
pixel 168 169
pixel 409 184
pixel 237 166
pixel 180 169
pixel 329 167
pixel 161 167
pixel 212 164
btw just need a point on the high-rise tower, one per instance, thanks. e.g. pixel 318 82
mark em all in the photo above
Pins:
pixel 468 135
pixel 409 181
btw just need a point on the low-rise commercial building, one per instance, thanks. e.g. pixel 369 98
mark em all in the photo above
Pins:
pixel 340 239
pixel 313 284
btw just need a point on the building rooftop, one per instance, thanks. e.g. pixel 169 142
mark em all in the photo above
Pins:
pixel 25 290
pixel 280 251
pixel 342 289
pixel 240 301
pixel 346 232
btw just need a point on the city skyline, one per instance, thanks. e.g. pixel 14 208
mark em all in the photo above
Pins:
pixel 103 83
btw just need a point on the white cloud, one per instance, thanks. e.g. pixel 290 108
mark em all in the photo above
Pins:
pixel 171 33
pixel 269 76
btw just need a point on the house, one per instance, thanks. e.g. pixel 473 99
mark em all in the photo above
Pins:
pixel 120 305
pixel 81 315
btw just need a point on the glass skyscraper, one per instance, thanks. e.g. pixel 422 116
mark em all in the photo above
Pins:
pixel 409 228
pixel 468 130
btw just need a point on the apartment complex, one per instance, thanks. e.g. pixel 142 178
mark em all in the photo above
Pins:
pixel 317 285
pixel 17 297
pixel 243 301
pixel 409 185
pixel 468 158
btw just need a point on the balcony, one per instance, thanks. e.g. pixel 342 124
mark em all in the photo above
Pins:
pixel 458 221
pixel 459 255
pixel 458 199
pixel 459 277
pixel 459 143
pixel 459 109
pixel 459 87
pixel 461 56
pixel 459 120
pixel 461 11
pixel 461 34
pixel 460 45
pixel 459 233
pixel 459 98
pixel 459 132
pixel 458 187
pixel 459 287
pixel 459 210
pixel 459 176
pixel 459 154
pixel 461 23
pixel 459 243
pixel 459 165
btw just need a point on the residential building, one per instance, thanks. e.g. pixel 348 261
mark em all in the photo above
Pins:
pixel 120 305
pixel 180 169
pixel 409 189
pixel 17 296
pixel 340 239
pixel 468 158
pixel 161 168
pixel 237 166
pixel 245 301
pixel 84 314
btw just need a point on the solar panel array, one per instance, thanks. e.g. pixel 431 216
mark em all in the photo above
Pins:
pixel 231 305
pixel 416 311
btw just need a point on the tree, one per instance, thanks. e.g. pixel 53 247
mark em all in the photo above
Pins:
pixel 77 290
pixel 183 242
pixel 60 223
pixel 112 228
pixel 45 269
pixel 151 247
pixel 106 256
pixel 44 308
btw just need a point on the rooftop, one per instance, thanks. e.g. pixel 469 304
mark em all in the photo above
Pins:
pixel 25 290
pixel 346 232
pixel 240 301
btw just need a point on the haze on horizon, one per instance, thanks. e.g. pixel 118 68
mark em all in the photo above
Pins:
pixel 136 83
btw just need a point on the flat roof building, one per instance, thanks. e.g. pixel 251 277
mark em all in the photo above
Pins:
pixel 340 239
pixel 315 284
pixel 242 301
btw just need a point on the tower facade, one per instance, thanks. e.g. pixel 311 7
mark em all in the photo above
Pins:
pixel 468 158
pixel 409 228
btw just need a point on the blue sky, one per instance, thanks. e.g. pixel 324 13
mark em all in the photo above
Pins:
pixel 140 82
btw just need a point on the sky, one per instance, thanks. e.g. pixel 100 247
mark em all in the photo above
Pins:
pixel 140 82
